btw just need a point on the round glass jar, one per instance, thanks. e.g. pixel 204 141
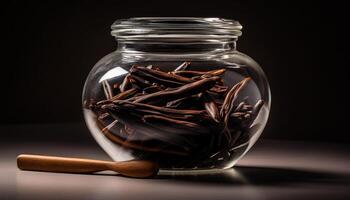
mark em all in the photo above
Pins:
pixel 178 92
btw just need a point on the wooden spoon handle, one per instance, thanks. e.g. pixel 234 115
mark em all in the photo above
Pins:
pixel 60 164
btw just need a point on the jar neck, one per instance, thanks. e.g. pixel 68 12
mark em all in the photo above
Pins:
pixel 176 47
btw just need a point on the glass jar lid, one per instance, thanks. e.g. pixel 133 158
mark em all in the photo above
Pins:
pixel 175 29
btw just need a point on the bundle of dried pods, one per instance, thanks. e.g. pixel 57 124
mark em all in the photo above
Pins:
pixel 174 112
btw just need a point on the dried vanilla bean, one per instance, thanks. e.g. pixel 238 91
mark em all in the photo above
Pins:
pixel 255 111
pixel 162 75
pixel 183 66
pixel 219 89
pixel 191 102
pixel 107 89
pixel 234 94
pixel 176 103
pixel 125 94
pixel 228 108
pixel 240 106
pixel 183 91
pixel 151 77
pixel 210 107
pixel 160 109
pixel 190 74
pixel 152 118
pixel 231 95
pixel 177 126
pixel 216 72
pixel 151 89
pixel 139 82
pixel 110 125
pixel 144 111
pixel 125 84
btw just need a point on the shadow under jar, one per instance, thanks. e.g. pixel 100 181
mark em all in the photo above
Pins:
pixel 176 91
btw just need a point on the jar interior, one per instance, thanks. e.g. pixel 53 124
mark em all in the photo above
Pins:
pixel 191 128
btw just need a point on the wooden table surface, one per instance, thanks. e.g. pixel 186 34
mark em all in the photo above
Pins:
pixel 271 170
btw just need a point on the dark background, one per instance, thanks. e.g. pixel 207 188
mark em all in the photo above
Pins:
pixel 48 48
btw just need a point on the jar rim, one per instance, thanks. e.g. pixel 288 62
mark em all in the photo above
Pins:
pixel 176 28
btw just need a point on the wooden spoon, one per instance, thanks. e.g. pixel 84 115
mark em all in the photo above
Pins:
pixel 133 168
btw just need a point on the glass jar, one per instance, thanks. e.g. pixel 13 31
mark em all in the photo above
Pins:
pixel 178 92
